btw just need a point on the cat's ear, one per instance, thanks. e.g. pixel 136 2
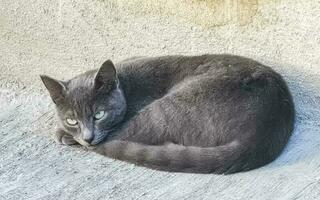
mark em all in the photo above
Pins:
pixel 56 88
pixel 106 76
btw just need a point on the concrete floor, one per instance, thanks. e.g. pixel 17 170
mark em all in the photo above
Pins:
pixel 63 38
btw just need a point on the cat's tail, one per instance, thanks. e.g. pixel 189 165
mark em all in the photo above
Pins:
pixel 225 159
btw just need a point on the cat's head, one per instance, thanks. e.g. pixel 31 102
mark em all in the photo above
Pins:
pixel 90 105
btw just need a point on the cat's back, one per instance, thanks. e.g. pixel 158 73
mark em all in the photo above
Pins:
pixel 154 77
pixel 170 70
pixel 186 64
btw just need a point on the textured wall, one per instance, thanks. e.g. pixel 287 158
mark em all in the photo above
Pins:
pixel 63 38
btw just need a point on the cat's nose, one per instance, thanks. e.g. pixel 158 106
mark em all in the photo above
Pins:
pixel 87 136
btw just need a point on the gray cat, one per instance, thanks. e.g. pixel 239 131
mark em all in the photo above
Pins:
pixel 200 114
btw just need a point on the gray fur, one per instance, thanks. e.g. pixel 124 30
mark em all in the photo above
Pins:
pixel 201 114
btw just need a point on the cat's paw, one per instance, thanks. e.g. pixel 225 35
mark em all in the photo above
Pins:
pixel 63 138
pixel 68 140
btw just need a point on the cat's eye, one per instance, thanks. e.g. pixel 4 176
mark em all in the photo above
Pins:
pixel 71 122
pixel 99 115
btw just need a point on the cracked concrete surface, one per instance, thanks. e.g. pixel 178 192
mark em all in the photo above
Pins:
pixel 63 38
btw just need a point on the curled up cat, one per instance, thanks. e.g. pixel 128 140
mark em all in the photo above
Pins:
pixel 199 114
